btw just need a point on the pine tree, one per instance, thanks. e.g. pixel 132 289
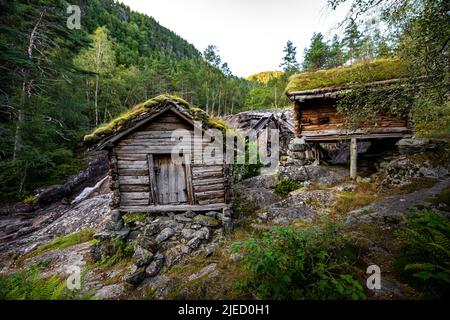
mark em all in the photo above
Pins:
pixel 289 62
pixel 352 41
pixel 316 56
pixel 336 56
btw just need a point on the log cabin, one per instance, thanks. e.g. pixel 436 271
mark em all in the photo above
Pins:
pixel 144 176
pixel 316 94
pixel 251 123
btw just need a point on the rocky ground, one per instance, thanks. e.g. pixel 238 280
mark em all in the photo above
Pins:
pixel 188 255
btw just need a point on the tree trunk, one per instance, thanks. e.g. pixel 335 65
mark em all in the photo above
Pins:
pixel 96 99
pixel 20 119
pixel 26 87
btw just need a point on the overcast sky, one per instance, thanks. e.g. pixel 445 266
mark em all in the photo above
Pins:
pixel 250 34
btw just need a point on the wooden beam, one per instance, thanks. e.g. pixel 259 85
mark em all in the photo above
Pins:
pixel 167 208
pixel 359 136
pixel 353 157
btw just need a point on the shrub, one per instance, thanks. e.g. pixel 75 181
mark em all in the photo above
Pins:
pixel 423 257
pixel 284 186
pixel 308 264
pixel 244 168
pixel 30 200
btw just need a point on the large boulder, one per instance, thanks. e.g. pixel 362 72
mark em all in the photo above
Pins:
pixel 96 169
pixel 320 174
pixel 254 193
pixel 412 145
pixel 300 204
pixel 402 170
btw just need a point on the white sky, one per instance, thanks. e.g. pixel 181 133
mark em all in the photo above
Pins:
pixel 250 34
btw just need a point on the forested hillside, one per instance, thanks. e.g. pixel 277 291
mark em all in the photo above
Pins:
pixel 57 83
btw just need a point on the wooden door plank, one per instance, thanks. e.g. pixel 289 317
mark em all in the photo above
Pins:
pixel 153 196
pixel 189 184
pixel 172 183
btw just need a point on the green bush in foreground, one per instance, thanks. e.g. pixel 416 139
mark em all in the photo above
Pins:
pixel 310 264
pixel 423 257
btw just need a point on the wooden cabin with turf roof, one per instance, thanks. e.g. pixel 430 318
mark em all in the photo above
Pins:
pixel 316 95
pixel 144 176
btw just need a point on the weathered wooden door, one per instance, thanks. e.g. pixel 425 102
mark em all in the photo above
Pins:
pixel 171 185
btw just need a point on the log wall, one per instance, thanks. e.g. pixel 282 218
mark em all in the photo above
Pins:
pixel 314 118
pixel 131 153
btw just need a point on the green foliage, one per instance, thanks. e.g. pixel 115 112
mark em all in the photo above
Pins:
pixel 289 63
pixel 122 250
pixel 419 32
pixel 29 284
pixel 310 264
pixel 284 186
pixel 316 56
pixel 247 165
pixel 362 105
pixel 30 199
pixel 423 257
pixel 135 216
pixel 50 98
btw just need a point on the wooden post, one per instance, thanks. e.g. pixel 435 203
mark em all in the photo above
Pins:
pixel 353 156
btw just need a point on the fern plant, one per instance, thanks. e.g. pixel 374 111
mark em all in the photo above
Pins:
pixel 314 263
pixel 29 284
pixel 423 258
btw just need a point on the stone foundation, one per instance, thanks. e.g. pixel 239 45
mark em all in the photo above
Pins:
pixel 163 241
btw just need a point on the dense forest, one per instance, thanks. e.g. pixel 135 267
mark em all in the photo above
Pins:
pixel 58 83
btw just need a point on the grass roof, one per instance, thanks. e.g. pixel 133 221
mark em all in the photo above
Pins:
pixel 366 72
pixel 145 109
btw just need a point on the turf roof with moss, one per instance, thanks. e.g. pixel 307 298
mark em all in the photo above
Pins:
pixel 143 110
pixel 366 72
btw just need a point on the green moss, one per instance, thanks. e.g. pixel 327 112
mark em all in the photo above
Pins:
pixel 348 201
pixel 60 243
pixel 135 216
pixel 377 70
pixel 148 107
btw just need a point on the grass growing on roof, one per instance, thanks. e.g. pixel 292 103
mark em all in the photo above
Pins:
pixel 377 70
pixel 152 105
